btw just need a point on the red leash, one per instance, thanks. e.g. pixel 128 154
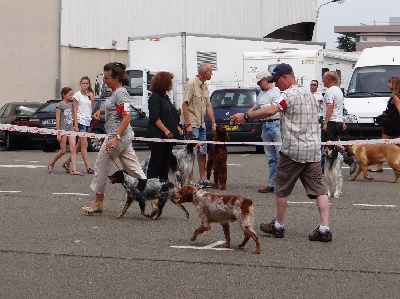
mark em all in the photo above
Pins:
pixel 112 159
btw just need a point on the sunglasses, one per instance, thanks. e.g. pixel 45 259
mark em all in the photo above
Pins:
pixel 313 84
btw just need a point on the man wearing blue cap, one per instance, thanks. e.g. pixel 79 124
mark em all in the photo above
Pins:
pixel 300 156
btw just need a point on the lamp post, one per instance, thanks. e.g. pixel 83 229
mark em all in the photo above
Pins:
pixel 317 15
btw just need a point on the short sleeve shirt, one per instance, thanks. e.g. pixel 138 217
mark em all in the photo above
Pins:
pixel 118 100
pixel 267 98
pixel 198 98
pixel 300 129
pixel 334 96
pixel 66 116
pixel 84 112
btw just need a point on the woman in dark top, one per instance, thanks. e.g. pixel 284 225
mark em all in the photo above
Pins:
pixel 163 123
pixel 392 129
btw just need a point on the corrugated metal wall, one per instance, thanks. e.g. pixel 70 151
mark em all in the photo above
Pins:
pixel 97 23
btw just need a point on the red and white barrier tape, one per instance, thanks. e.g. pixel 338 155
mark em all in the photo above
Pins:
pixel 34 130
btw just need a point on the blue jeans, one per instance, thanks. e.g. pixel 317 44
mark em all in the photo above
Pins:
pixel 271 132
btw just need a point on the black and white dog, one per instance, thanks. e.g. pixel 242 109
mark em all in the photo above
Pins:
pixel 332 170
pixel 160 191
pixel 180 164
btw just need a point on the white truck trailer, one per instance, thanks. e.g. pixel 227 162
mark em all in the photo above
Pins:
pixel 368 94
pixel 181 54
pixel 307 64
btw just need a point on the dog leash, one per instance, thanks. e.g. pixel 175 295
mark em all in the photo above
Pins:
pixel 112 159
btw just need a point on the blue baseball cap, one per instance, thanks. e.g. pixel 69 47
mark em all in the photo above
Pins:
pixel 279 70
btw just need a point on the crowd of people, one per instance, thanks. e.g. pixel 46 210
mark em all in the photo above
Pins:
pixel 296 120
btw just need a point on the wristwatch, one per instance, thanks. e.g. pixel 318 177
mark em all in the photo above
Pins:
pixel 118 136
pixel 246 117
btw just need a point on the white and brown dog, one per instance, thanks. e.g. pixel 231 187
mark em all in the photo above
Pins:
pixel 223 209
pixel 370 154
pixel 332 170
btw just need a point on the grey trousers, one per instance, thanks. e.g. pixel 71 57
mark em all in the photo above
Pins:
pixel 126 155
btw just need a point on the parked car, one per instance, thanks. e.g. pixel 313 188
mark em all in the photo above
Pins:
pixel 45 117
pixel 16 113
pixel 229 101
pixel 139 122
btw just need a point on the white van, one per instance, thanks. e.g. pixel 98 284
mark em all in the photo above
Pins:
pixel 367 94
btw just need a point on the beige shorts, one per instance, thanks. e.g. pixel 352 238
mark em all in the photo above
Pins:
pixel 289 171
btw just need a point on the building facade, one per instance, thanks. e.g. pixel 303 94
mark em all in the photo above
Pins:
pixel 376 35
pixel 50 44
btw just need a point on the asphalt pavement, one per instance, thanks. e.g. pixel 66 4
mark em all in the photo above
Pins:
pixel 50 249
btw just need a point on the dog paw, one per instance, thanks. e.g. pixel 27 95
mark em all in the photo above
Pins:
pixel 257 251
pixel 336 195
pixel 369 178
pixel 351 179
pixel 120 216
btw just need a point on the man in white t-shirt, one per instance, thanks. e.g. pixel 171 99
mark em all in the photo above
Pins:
pixel 318 97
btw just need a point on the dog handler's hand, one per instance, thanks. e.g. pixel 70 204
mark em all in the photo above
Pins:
pixel 189 129
pixel 236 119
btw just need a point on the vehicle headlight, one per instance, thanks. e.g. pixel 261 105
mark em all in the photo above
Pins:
pixel 350 118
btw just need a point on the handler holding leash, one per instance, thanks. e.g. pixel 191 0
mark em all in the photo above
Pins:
pixel 300 155
pixel 118 143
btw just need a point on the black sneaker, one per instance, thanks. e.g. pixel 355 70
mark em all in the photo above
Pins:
pixel 316 235
pixel 269 228
pixel 267 189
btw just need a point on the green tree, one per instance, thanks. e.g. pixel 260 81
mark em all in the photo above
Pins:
pixel 346 43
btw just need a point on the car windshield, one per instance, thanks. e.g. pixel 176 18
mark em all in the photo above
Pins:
pixel 27 109
pixel 49 107
pixel 233 98
pixel 372 80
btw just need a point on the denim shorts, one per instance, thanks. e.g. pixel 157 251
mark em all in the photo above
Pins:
pixel 83 128
pixel 199 133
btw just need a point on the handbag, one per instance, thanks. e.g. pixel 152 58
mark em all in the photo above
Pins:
pixel 382 119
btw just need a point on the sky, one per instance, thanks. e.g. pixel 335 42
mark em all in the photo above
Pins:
pixel 350 13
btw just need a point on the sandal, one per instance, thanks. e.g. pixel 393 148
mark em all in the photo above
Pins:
pixel 50 168
pixel 76 173
pixel 65 165
pixel 90 171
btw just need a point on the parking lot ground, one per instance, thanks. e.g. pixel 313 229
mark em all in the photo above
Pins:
pixel 50 249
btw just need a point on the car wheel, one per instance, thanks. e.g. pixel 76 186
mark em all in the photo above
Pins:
pixel 259 149
pixel 10 143
pixel 94 144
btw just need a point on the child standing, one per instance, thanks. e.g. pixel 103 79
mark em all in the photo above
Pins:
pixel 64 121
pixel 83 104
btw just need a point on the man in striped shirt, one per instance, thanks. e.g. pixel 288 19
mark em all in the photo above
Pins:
pixel 300 154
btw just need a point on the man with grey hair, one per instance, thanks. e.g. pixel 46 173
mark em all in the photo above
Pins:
pixel 196 102
pixel 271 131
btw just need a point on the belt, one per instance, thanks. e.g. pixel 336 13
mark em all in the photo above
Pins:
pixel 270 120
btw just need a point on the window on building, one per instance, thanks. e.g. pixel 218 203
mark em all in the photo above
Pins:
pixel 393 38
pixel 363 38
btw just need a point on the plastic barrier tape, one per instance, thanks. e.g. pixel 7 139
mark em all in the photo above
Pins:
pixel 34 130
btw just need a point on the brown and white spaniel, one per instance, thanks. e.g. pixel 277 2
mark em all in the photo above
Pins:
pixel 221 208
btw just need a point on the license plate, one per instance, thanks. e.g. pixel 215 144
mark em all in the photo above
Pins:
pixel 231 127
pixel 49 121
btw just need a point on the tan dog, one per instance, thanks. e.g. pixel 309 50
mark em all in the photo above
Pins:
pixel 371 154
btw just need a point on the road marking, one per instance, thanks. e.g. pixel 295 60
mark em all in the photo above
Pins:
pixel 233 164
pixel 23 166
pixel 371 205
pixel 301 202
pixel 207 247
pixel 10 191
pixel 85 194
pixel 26 161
